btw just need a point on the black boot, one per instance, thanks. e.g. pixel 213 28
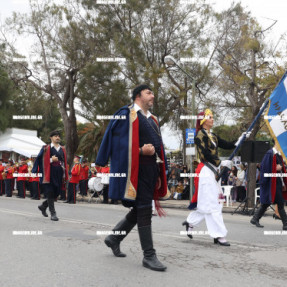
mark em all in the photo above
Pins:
pixel 43 208
pixel 283 216
pixel 257 215
pixel 150 260
pixel 113 241
pixel 52 209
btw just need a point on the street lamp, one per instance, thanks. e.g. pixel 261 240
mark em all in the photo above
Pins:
pixel 171 62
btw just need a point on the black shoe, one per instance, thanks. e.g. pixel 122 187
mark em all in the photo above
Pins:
pixel 51 204
pixel 66 201
pixel 275 216
pixel 115 246
pixel 216 241
pixel 283 216
pixel 257 215
pixel 185 223
pixel 153 263
pixel 54 217
pixel 256 222
pixel 113 241
pixel 43 210
pixel 150 259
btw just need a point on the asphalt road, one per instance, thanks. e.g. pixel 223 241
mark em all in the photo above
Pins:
pixel 71 253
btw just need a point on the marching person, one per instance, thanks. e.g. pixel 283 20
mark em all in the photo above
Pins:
pixel 2 184
pixel 105 181
pixel 35 186
pixel 84 178
pixel 9 181
pixel 209 190
pixel 271 186
pixel 135 147
pixel 52 163
pixel 75 178
pixel 22 170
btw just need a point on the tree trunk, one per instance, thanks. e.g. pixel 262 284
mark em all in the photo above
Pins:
pixel 251 183
pixel 71 135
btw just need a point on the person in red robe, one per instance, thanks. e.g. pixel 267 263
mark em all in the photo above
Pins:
pixel 2 184
pixel 272 182
pixel 84 177
pixel 22 171
pixel 134 145
pixel 75 178
pixel 52 165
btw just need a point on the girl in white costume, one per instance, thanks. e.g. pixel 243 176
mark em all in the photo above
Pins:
pixel 208 205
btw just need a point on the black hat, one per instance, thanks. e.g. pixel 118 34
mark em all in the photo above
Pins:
pixel 55 133
pixel 138 89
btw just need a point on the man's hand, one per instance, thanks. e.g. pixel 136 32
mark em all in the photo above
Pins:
pixel 278 167
pixel 247 135
pixel 54 158
pixel 158 184
pixel 148 149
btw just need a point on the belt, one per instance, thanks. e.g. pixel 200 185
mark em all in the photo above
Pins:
pixel 147 159
pixel 212 169
pixel 56 163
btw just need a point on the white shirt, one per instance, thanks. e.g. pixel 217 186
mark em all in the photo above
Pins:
pixel 56 148
pixel 138 108
pixel 276 151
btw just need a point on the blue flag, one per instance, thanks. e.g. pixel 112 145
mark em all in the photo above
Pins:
pixel 276 115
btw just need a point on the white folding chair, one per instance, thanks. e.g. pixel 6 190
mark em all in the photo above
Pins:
pixel 256 195
pixel 227 193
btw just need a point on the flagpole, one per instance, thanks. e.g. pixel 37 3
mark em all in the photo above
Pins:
pixel 255 120
pixel 250 128
pixel 265 104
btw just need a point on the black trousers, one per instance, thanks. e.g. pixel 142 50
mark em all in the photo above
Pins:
pixel 63 193
pixel 72 192
pixel 2 187
pixel 83 184
pixel 35 190
pixel 106 193
pixel 141 212
pixel 50 190
pixel 21 187
pixel 8 187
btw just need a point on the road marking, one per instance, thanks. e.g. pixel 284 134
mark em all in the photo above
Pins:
pixel 86 222
pixel 70 220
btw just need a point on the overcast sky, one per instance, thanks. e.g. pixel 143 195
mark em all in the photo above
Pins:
pixel 264 10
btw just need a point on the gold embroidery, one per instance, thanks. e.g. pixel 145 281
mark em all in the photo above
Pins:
pixel 133 115
pixel 131 191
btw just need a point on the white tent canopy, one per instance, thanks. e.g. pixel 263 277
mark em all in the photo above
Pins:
pixel 24 142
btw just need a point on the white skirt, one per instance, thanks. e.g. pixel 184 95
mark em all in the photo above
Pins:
pixel 208 192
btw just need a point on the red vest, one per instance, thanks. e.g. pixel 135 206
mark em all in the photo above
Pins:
pixel 84 173
pixel 22 169
pixel 1 170
pixel 75 173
